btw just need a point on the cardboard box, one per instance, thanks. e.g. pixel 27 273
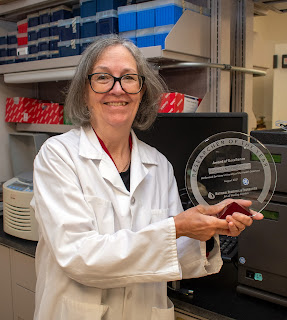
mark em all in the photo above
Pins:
pixel 20 109
pixel 27 110
pixel 175 102
pixel 49 113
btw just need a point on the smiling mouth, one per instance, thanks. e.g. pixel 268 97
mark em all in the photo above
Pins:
pixel 116 104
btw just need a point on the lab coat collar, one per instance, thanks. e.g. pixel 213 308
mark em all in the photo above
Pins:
pixel 141 159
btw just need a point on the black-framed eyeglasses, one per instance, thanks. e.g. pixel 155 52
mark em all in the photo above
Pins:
pixel 131 83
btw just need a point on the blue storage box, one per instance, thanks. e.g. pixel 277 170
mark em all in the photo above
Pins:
pixel 160 33
pixel 44 30
pixel 69 29
pixel 89 27
pixel 44 55
pixel 44 44
pixel 45 16
pixel 85 42
pixel 104 5
pixel 2 60
pixel 168 12
pixel 145 37
pixel 130 35
pixel 76 10
pixel 54 28
pixel 32 57
pixel 107 22
pixel 12 37
pixel 53 43
pixel 10 60
pixel 69 48
pixel 33 47
pixel 61 13
pixel 88 8
pixel 3 40
pixel 33 33
pixel 12 50
pixel 127 16
pixel 21 58
pixel 3 50
pixel 33 19
pixel 54 54
pixel 146 15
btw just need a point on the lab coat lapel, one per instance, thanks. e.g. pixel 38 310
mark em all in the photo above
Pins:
pixel 140 163
pixel 91 148
pixel 109 172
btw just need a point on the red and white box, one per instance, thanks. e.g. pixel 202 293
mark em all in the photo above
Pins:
pixel 49 113
pixel 22 26
pixel 20 109
pixel 175 102
pixel 27 110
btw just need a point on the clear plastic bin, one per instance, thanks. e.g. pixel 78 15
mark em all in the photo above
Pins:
pixel 33 19
pixel 44 44
pixel 53 43
pixel 33 47
pixel 85 42
pixel 61 13
pixel 45 16
pixel 107 22
pixel 3 40
pixel 44 30
pixel 104 5
pixel 69 29
pixel 33 33
pixel 69 48
pixel 88 8
pixel 89 26
pixel 12 37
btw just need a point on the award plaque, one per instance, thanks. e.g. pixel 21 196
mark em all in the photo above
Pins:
pixel 231 165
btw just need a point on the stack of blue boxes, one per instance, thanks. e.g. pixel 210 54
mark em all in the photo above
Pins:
pixel 148 23
pixel 64 31
pixel 43 32
pixel 98 18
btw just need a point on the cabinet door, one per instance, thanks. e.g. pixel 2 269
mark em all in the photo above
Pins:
pixel 5 285
pixel 23 285
pixel 23 270
pixel 23 303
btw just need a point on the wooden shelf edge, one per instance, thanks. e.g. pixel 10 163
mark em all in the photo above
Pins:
pixel 50 128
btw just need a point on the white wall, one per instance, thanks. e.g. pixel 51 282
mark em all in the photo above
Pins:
pixel 268 31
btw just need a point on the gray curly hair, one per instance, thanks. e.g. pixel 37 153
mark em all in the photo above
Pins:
pixel 75 107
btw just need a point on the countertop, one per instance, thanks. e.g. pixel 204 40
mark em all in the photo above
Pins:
pixel 214 298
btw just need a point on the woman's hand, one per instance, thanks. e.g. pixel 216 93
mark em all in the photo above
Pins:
pixel 201 222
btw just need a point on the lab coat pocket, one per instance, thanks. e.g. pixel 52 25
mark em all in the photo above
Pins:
pixel 163 314
pixel 104 213
pixel 75 310
pixel 158 215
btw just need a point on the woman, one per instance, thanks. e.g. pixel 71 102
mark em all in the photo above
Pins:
pixel 112 230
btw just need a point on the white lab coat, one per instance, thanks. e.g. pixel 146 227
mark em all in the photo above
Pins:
pixel 105 252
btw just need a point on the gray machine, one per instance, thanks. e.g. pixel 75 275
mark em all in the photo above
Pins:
pixel 262 248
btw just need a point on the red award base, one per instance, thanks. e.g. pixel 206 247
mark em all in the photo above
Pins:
pixel 233 207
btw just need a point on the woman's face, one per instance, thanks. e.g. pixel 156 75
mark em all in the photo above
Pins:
pixel 115 108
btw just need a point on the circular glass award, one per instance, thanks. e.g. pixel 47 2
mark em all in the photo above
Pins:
pixel 231 165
